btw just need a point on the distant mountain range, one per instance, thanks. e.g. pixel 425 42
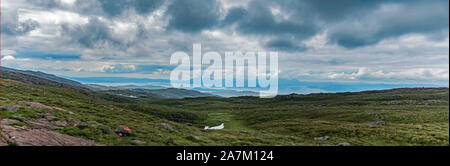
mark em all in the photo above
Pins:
pixel 40 78
pixel 161 88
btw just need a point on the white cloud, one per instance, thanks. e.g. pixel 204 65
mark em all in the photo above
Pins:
pixel 419 74
pixel 7 58
pixel 119 68
pixel 68 2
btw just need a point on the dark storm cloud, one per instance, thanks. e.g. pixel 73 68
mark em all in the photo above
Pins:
pixel 20 28
pixel 234 15
pixel 194 15
pixel 12 26
pixel 422 18
pixel 259 20
pixel 329 10
pixel 92 35
pixel 37 54
pixel 285 45
pixel 117 7
pixel 350 23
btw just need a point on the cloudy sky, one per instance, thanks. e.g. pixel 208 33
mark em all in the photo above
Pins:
pixel 385 41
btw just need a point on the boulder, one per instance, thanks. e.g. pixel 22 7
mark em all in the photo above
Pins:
pixel 164 126
pixel 344 144
pixel 123 131
pixel 377 123
pixel 381 123
pixel 321 138
pixel 135 141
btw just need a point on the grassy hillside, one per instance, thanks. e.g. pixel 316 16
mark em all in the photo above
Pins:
pixel 412 116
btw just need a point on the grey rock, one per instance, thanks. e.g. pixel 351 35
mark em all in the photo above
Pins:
pixel 164 126
pixel 321 138
pixel 137 141
pixel 344 144
pixel 377 123
pixel 243 132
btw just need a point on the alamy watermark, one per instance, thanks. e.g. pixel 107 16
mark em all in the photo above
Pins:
pixel 258 69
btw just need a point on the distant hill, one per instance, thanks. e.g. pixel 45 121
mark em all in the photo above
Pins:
pixel 9 72
pixel 96 87
pixel 230 93
pixel 170 93
pixel 40 78
pixel 142 87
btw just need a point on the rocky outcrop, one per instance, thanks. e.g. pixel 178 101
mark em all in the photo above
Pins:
pixel 24 136
pixel 9 121
pixel 43 124
pixel 38 132
pixel 39 105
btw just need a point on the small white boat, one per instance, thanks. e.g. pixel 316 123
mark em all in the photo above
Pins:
pixel 220 127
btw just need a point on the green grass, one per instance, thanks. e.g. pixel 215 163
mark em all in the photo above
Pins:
pixel 413 116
